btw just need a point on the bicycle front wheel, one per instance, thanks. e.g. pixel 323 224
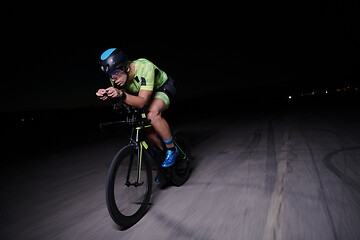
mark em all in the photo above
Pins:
pixel 128 188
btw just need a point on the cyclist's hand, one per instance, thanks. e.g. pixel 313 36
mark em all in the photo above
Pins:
pixel 113 92
pixel 101 93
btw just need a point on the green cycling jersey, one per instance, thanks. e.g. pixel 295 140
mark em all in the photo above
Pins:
pixel 147 77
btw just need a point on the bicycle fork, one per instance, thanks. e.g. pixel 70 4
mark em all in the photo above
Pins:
pixel 139 146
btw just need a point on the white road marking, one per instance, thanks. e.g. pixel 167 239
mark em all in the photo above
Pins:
pixel 274 222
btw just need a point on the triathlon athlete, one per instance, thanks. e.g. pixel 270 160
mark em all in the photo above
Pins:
pixel 140 83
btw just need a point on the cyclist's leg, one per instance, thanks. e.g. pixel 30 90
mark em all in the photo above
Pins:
pixel 154 138
pixel 160 125
pixel 162 128
pixel 160 103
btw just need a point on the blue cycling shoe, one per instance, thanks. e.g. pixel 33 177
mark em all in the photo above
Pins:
pixel 170 157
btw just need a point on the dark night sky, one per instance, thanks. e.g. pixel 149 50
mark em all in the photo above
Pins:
pixel 52 51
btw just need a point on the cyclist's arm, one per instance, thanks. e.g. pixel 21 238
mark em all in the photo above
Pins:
pixel 138 101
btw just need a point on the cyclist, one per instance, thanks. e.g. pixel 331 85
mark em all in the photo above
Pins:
pixel 140 83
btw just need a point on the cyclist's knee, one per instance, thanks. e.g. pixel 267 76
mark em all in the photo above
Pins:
pixel 153 114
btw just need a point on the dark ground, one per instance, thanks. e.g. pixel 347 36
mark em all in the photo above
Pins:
pixel 262 170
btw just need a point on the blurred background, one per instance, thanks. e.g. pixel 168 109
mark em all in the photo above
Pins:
pixel 224 58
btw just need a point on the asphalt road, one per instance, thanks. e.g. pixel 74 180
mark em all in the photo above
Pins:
pixel 285 175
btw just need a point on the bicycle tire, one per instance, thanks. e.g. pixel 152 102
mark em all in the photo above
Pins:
pixel 127 204
pixel 181 170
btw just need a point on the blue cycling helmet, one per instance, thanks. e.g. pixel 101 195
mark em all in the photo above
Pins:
pixel 113 59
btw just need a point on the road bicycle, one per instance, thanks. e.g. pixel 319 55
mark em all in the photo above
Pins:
pixel 130 176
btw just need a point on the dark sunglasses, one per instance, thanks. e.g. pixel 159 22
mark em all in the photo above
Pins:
pixel 116 72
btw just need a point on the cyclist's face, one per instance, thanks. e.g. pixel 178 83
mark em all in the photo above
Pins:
pixel 118 77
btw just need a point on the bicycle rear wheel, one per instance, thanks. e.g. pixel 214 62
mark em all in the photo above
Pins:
pixel 182 167
pixel 128 190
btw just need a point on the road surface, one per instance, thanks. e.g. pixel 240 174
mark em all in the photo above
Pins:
pixel 285 175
